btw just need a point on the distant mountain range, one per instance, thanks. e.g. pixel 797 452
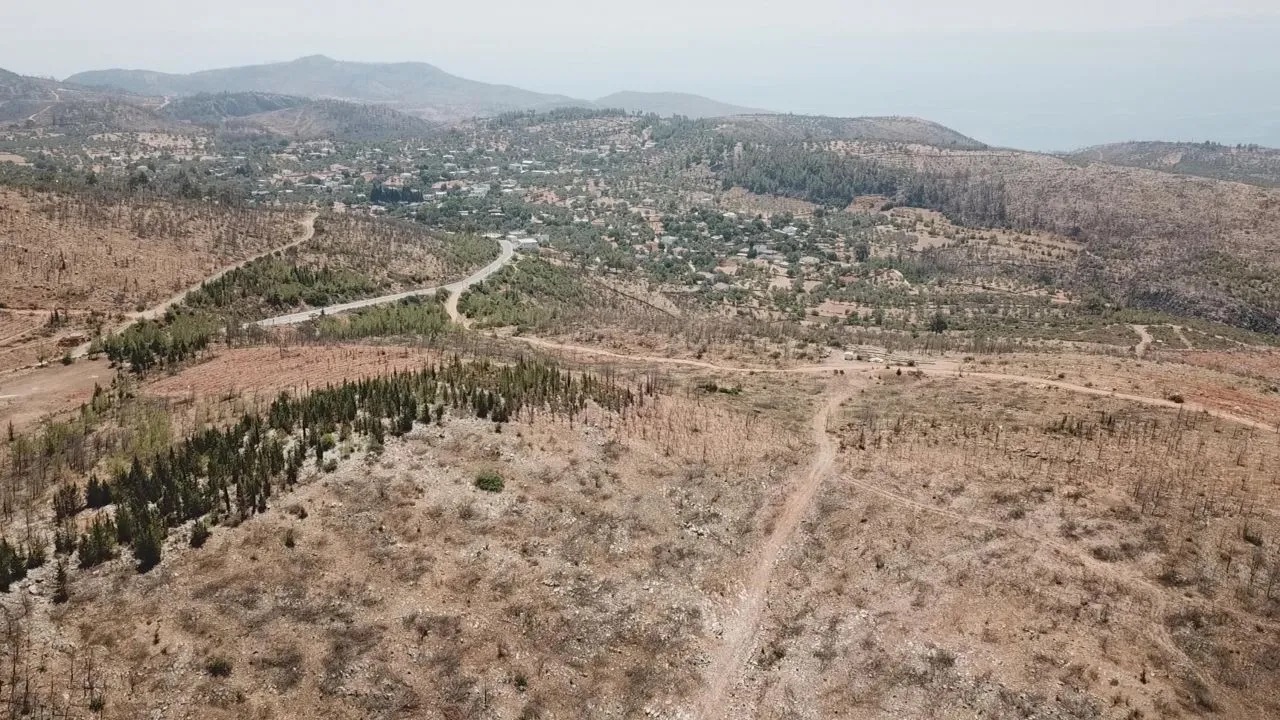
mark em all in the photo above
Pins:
pixel 313 97
pixel 71 107
pixel 317 97
pixel 415 88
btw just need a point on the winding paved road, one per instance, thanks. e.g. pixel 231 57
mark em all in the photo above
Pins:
pixel 455 289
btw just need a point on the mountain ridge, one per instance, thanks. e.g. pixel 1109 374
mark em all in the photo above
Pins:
pixel 120 99
pixel 417 88
pixel 675 103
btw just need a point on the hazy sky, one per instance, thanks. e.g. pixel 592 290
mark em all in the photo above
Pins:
pixel 1044 75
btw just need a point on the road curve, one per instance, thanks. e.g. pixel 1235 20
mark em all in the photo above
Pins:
pixel 308 223
pixel 455 289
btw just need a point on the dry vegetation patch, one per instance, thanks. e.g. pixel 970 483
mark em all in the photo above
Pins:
pixel 396 254
pixel 28 396
pixel 1199 380
pixel 265 372
pixel 97 253
pixel 590 585
pixel 29 337
pixel 1004 551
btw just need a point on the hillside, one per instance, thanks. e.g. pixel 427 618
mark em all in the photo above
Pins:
pixel 296 117
pixel 668 104
pixel 810 128
pixel 755 425
pixel 416 88
pixel 214 108
pixel 25 98
pixel 352 122
pixel 1177 244
pixel 1241 163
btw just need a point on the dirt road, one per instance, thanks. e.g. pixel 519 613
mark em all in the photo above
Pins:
pixel 1144 340
pixel 741 632
pixel 1140 399
pixel 455 290
pixel 942 367
pixel 597 352
pixel 29 395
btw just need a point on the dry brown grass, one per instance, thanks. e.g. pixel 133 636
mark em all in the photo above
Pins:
pixel 28 396
pixel 589 587
pixel 977 554
pixel 985 544
pixel 86 253
pixel 28 337
pixel 265 372
pixel 398 255
pixel 1226 382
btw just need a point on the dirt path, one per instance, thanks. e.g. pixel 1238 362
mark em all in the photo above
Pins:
pixel 740 637
pixel 1141 399
pixel 1144 340
pixel 38 113
pixel 505 254
pixel 1183 337
pixel 833 365
pixel 658 359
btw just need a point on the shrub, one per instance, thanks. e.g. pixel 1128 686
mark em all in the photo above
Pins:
pixel 98 545
pixel 64 538
pixel 37 552
pixel 199 534
pixel 1252 536
pixel 218 666
pixel 490 481
pixel 66 502
pixel 97 494
pixel 148 542
pixel 61 584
